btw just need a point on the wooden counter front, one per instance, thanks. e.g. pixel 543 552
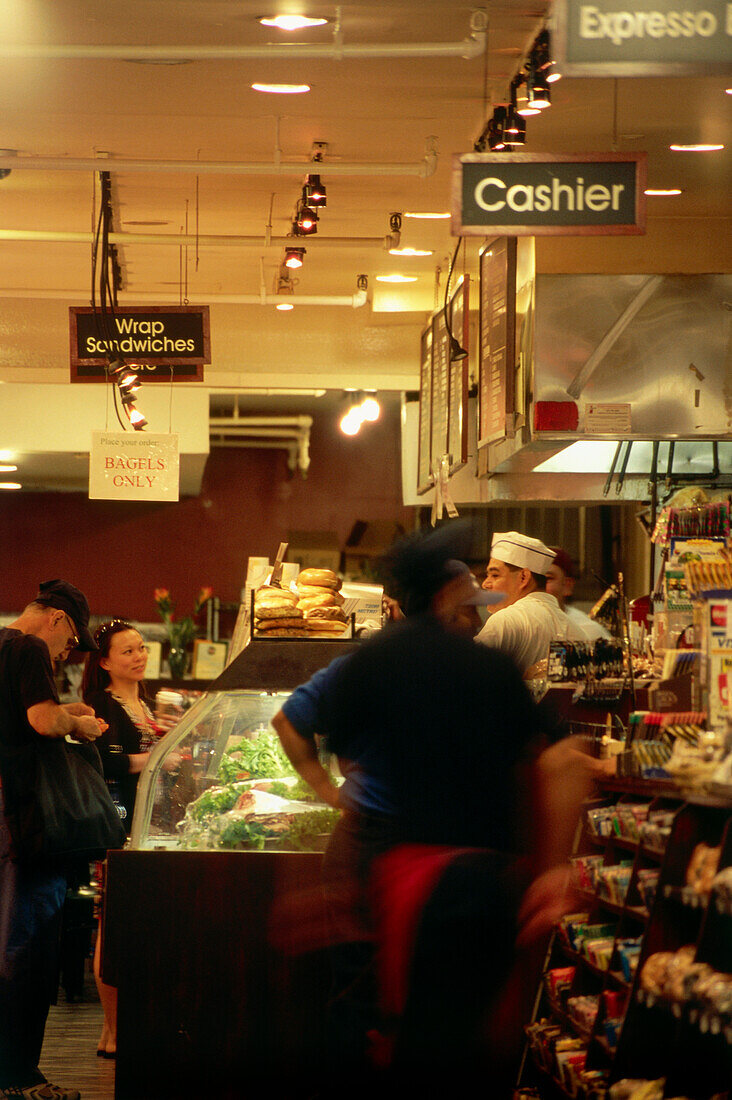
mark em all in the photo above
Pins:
pixel 220 965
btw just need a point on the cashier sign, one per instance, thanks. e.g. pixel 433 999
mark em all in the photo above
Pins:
pixel 133 466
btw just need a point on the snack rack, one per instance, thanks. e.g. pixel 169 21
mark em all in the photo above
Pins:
pixel 611 1005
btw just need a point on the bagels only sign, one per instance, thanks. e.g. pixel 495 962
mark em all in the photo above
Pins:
pixel 643 37
pixel 515 194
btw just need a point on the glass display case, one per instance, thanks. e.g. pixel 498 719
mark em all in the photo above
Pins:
pixel 219 780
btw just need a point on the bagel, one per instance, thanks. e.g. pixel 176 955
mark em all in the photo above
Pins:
pixel 324 626
pixel 323 614
pixel 274 597
pixel 268 625
pixel 322 578
pixel 284 632
pixel 284 611
pixel 316 601
pixel 308 591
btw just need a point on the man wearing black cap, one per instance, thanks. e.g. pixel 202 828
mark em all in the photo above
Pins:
pixel 32 893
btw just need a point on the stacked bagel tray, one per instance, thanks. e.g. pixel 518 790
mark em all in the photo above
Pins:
pixel 312 607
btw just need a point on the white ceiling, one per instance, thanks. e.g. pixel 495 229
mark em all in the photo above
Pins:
pixel 369 111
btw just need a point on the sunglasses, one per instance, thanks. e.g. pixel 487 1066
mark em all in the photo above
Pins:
pixel 74 639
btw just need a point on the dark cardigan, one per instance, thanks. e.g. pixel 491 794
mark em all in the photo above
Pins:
pixel 116 745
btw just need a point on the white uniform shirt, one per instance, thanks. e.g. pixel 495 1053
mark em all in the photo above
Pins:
pixel 524 629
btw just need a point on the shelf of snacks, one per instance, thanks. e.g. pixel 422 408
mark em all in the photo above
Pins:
pixel 648 970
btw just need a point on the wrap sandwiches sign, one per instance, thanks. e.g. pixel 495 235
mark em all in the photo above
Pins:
pixel 515 194
pixel 643 37
pixel 161 341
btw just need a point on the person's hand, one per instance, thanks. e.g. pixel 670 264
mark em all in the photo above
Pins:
pixel 166 722
pixel 391 609
pixel 87 727
pixel 172 762
pixel 77 709
pixel 549 897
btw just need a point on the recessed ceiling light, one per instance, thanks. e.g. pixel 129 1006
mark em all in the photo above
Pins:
pixel 700 148
pixel 284 306
pixel 8 469
pixel 146 223
pixel 396 278
pixel 282 89
pixel 663 191
pixel 411 252
pixel 10 485
pixel 292 22
pixel 424 214
pixel 728 91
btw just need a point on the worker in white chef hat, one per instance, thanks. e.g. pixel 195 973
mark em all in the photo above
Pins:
pixel 529 618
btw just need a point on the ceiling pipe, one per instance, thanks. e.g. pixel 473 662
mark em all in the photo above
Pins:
pixel 423 168
pixel 52 236
pixel 469 48
pixel 355 301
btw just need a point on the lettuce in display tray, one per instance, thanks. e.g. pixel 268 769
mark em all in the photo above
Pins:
pixel 243 815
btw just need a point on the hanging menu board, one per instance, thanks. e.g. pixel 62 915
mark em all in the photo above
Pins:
pixel 457 434
pixel 496 378
pixel 440 385
pixel 424 479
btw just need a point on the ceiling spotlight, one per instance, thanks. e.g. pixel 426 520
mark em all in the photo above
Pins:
pixel 282 89
pixel 544 57
pixel 701 148
pixel 494 133
pixel 662 191
pixel 516 133
pixel 294 257
pixel 537 90
pixel 313 192
pixel 425 215
pixel 8 469
pixel 457 351
pixel 284 307
pixel 128 384
pixel 514 127
pixel 523 107
pixel 370 407
pixel 292 22
pixel 306 220
pixel 351 421
pixel 411 252
pixel 137 420
pixel 396 278
pixel 10 485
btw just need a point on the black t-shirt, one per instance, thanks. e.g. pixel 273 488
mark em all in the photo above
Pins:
pixel 449 723
pixel 26 678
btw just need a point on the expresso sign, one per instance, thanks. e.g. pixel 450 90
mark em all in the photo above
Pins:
pixel 515 194
pixel 643 37
pixel 159 340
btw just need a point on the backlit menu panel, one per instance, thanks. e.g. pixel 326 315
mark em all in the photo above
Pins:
pixel 496 381
pixel 440 386
pixel 457 437
pixel 424 480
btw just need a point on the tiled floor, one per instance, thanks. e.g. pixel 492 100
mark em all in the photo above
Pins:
pixel 69 1050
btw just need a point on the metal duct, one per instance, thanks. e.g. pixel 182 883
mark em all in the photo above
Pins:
pixel 469 48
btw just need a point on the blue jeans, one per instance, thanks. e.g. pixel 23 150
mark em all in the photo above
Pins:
pixel 31 900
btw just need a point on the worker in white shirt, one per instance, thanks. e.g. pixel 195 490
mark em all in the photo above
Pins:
pixel 560 580
pixel 529 618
